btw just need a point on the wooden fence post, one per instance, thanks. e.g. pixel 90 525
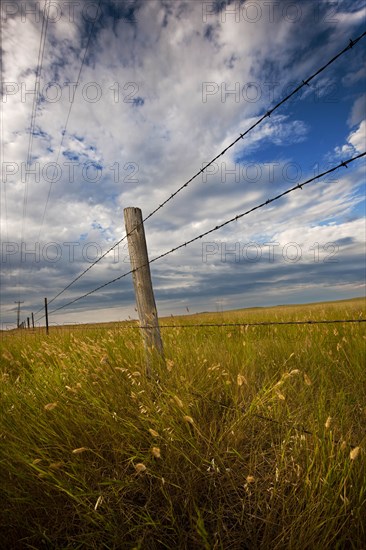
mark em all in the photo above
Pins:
pixel 32 320
pixel 144 293
pixel 46 313
pixel 28 323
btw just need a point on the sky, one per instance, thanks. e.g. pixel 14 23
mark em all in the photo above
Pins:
pixel 133 99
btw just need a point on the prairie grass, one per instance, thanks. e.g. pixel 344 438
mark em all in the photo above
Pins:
pixel 248 438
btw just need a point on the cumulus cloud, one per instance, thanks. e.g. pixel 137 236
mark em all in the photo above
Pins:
pixel 358 138
pixel 358 110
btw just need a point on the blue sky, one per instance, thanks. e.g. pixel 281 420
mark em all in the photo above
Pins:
pixel 164 87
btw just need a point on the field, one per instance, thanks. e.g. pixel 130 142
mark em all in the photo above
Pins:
pixel 250 437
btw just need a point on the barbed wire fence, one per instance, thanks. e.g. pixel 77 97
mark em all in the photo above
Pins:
pixel 126 325
pixel 345 163
pixel 241 136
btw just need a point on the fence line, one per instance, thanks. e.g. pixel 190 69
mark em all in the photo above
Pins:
pixel 211 325
pixel 264 323
pixel 241 136
pixel 231 220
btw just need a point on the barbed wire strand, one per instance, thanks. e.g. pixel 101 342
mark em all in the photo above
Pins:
pixel 214 325
pixel 241 136
pixel 288 424
pixel 217 227
pixel 258 324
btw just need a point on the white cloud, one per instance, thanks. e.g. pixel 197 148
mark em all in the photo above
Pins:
pixel 358 138
pixel 358 110
pixel 356 142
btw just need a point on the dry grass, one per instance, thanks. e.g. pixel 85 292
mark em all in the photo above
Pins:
pixel 249 439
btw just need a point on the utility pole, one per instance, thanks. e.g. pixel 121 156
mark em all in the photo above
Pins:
pixel 18 312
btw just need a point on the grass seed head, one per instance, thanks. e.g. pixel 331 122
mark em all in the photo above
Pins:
pixel 99 501
pixel 178 401
pixel 328 423
pixel 140 467
pixel 280 396
pixel 154 433
pixel 169 365
pixel 80 450
pixel 155 451
pixel 354 453
pixel 240 380
pixel 7 355
pixel 56 465
pixel 188 419
pixel 50 406
pixel 294 371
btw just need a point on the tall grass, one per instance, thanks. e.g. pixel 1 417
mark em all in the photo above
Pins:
pixel 249 438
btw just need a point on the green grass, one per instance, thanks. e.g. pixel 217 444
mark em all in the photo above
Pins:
pixel 240 418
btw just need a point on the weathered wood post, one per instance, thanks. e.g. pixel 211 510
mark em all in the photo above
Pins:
pixel 32 320
pixel 144 293
pixel 46 313
pixel 28 322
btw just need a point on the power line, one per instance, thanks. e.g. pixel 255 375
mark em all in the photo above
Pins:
pixel 34 109
pixel 241 136
pixel 217 227
pixel 33 118
pixel 3 181
pixel 67 119
pixel 58 155
pixel 18 312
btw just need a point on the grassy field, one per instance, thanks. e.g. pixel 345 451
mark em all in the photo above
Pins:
pixel 252 437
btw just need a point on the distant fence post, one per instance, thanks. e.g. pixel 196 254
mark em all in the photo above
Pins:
pixel 46 313
pixel 28 322
pixel 144 293
pixel 32 320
